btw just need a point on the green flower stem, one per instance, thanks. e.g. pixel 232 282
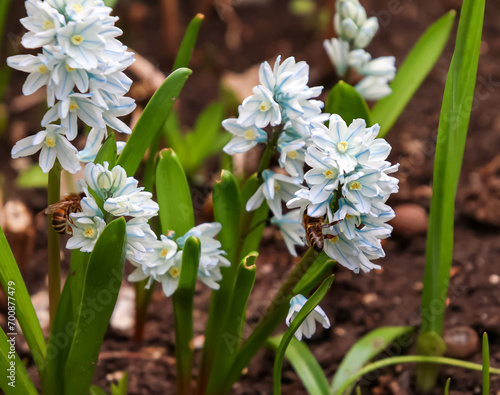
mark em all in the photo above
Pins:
pixel 275 315
pixel 410 359
pixel 143 298
pixel 53 196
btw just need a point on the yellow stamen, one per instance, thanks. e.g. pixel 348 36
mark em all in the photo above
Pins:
pixel 73 106
pixel 69 69
pixel 89 232
pixel 77 7
pixel 355 186
pixel 50 142
pixel 343 146
pixel 293 154
pixel 277 187
pixel 329 174
pixel 333 239
pixel 264 106
pixel 250 135
pixel 77 39
pixel 48 24
pixel 164 252
pixel 43 69
pixel 174 271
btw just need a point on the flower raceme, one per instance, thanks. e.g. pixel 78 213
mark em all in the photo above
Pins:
pixel 81 64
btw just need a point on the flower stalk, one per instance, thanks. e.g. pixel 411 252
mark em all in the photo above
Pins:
pixel 54 258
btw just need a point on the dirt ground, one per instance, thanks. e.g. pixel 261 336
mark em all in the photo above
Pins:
pixel 356 304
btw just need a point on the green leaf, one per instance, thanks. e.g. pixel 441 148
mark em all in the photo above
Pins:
pixel 64 325
pixel 413 72
pixel 151 120
pixel 95 390
pixel 4 11
pixel 107 153
pixel 10 276
pixel 32 177
pixel 447 387
pixel 121 388
pixel 305 365
pixel 188 42
pixel 346 101
pixel 110 3
pixel 319 270
pixel 486 365
pixel 365 349
pixel 231 326
pixel 308 307
pixel 100 292
pixel 174 197
pixel 12 365
pixel 452 132
pixel 183 314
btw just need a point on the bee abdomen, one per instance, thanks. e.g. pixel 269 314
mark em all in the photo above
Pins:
pixel 315 238
pixel 59 221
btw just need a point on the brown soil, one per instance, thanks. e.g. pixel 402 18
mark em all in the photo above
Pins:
pixel 356 304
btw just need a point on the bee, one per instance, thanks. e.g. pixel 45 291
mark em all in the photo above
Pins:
pixel 61 210
pixel 314 231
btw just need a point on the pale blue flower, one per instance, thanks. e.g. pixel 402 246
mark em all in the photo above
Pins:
pixel 308 326
pixel 338 52
pixel 275 189
pixel 107 183
pixel 136 203
pixel 52 145
pixel 244 138
pixel 42 24
pixel 373 88
pixel 140 239
pixel 360 187
pixel 86 226
pixel 260 109
pixel 39 68
pixel 291 229
pixel 292 154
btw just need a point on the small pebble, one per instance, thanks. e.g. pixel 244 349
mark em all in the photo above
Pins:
pixel 369 298
pixel 198 342
pixel 339 331
pixel 418 286
pixel 461 342
pixel 411 220
pixel 494 279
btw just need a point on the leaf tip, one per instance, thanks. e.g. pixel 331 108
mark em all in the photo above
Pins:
pixel 200 16
pixel 249 261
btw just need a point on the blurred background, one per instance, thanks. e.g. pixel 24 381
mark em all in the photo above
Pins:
pixel 235 37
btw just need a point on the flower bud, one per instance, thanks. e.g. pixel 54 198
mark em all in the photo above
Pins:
pixel 105 180
pixel 349 29
pixel 119 178
pixel 366 33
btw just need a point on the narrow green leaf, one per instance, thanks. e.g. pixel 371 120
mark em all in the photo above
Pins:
pixel 100 292
pixel 227 209
pixel 95 390
pixel 452 132
pixel 305 365
pixel 231 329
pixel 447 387
pixel 319 270
pixel 4 11
pixel 346 101
pixel 308 307
pixel 413 72
pixel 32 177
pixel 107 153
pixel 110 3
pixel 121 388
pixel 151 120
pixel 174 197
pixel 64 326
pixel 486 365
pixel 188 42
pixel 14 287
pixel 183 313
pixel 14 379
pixel 365 349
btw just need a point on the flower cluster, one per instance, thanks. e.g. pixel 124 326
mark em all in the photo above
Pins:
pixel 349 183
pixel 81 64
pixel 119 196
pixel 355 32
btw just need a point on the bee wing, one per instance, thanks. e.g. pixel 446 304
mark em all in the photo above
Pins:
pixel 56 206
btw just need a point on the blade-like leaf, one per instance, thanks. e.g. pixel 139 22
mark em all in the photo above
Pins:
pixel 95 390
pixel 346 101
pixel 366 349
pixel 447 387
pixel 100 291
pixel 486 365
pixel 32 177
pixel 305 365
pixel 10 276
pixel 452 132
pixel 183 313
pixel 107 153
pixel 308 307
pixel 4 11
pixel 151 120
pixel 121 388
pixel 188 42
pixel 14 379
pixel 413 72
pixel 174 197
